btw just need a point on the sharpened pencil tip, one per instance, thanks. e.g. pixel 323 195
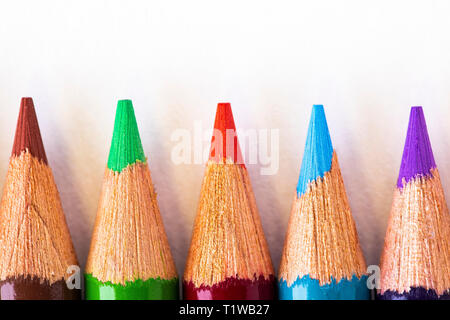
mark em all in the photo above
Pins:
pixel 224 143
pixel 417 156
pixel 318 153
pixel 126 146
pixel 28 136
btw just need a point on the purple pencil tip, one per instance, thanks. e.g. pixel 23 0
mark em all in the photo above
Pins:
pixel 417 155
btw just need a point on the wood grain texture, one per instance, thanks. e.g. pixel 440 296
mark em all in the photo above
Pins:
pixel 129 241
pixel 228 239
pixel 417 244
pixel 321 239
pixel 34 238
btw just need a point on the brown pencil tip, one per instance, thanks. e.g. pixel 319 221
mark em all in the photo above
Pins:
pixel 28 135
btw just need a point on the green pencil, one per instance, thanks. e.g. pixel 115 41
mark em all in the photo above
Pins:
pixel 130 257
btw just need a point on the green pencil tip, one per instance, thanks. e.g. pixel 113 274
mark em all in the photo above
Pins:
pixel 126 146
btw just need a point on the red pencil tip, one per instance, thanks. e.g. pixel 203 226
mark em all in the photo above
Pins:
pixel 224 143
pixel 28 135
pixel 27 101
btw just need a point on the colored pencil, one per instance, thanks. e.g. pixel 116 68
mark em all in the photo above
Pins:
pixel 228 258
pixel 322 258
pixel 130 257
pixel 36 250
pixel 415 263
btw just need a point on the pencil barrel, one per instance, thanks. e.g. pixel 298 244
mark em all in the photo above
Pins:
pixel 151 289
pixel 21 288
pixel 232 289
pixel 310 289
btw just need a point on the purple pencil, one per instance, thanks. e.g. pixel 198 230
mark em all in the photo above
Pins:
pixel 415 264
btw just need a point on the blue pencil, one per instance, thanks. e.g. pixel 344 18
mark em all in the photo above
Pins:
pixel 322 258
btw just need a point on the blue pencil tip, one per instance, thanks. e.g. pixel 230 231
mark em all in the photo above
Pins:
pixel 318 150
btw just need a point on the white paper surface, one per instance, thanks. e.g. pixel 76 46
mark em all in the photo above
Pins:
pixel 367 62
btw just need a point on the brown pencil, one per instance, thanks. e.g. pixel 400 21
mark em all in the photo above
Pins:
pixel 37 258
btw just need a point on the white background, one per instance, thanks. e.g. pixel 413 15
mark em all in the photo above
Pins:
pixel 366 61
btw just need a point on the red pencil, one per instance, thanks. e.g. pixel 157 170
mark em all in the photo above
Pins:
pixel 228 258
